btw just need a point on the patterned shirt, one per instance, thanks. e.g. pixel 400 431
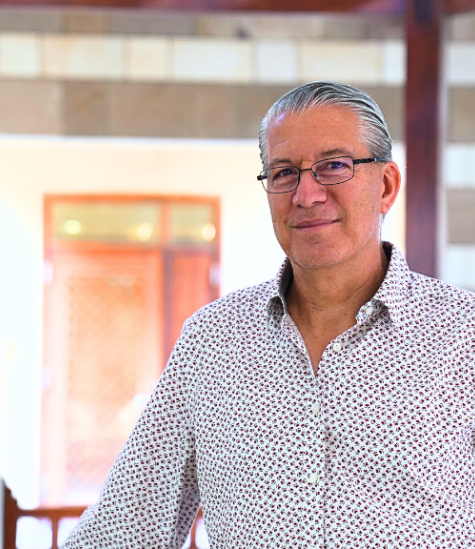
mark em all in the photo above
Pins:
pixel 374 451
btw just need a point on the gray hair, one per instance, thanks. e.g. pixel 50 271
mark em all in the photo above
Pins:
pixel 375 132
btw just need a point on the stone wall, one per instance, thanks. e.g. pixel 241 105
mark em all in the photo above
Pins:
pixel 134 73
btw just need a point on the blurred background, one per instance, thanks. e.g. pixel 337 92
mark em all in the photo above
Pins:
pixel 128 199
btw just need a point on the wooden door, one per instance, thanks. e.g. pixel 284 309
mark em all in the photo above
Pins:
pixel 104 349
pixel 124 274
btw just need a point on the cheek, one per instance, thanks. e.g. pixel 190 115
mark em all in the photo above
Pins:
pixel 278 210
pixel 362 206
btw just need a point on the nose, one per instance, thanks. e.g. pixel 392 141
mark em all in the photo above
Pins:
pixel 309 191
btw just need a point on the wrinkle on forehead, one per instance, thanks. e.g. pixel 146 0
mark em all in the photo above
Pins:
pixel 292 118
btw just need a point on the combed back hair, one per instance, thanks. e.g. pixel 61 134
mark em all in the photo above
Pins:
pixel 374 130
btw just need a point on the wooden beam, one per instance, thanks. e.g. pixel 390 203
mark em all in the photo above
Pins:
pixel 364 7
pixel 425 97
pixel 459 6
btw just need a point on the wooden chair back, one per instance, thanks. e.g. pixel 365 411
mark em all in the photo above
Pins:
pixel 12 512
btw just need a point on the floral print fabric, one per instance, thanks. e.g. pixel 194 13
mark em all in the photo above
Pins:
pixel 375 451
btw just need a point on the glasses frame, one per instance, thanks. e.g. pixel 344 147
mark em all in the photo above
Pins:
pixel 356 161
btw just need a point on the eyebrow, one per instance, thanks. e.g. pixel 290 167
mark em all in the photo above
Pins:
pixel 280 161
pixel 325 154
pixel 329 153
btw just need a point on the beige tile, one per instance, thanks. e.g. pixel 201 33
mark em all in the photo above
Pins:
pixel 233 111
pixel 253 103
pixel 87 21
pixel 30 107
pixel 461 63
pixel 277 61
pixel 86 108
pixel 155 22
pixel 28 18
pixel 459 265
pixel 20 55
pixel 461 26
pixel 357 63
pixel 373 27
pixel 157 110
pixel 461 216
pixel 459 165
pixel 394 62
pixel 385 28
pixel 276 26
pixel 217 110
pixel 212 60
pixel 391 101
pixel 462 115
pixel 79 57
pixel 147 58
pixel 345 27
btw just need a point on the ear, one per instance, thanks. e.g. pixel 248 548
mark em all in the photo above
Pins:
pixel 390 183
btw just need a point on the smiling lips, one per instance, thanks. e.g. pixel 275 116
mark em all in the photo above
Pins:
pixel 314 224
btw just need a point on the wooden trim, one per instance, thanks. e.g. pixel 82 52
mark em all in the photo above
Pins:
pixel 12 513
pixel 366 7
pixel 424 97
pixel 459 6
pixel 50 244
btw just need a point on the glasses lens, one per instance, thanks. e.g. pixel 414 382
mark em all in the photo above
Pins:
pixel 281 180
pixel 333 170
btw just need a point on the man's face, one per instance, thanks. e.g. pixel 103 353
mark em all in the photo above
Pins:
pixel 320 226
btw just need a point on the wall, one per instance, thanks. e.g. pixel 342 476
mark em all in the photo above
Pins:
pixel 101 101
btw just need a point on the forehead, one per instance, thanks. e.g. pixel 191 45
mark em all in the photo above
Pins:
pixel 313 132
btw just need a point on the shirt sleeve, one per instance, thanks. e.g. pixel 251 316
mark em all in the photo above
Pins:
pixel 151 497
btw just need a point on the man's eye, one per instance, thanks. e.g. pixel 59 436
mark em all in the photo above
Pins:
pixel 336 165
pixel 285 172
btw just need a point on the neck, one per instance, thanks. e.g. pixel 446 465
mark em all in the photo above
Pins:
pixel 340 289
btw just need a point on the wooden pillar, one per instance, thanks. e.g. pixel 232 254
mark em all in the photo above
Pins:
pixel 425 105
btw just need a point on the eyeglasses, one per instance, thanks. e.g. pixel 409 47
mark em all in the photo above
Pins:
pixel 331 171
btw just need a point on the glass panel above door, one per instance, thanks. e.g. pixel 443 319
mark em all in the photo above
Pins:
pixel 110 222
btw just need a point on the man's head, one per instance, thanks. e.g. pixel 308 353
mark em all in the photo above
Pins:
pixel 325 225
pixel 374 130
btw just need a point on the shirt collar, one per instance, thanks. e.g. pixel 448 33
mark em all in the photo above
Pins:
pixel 392 292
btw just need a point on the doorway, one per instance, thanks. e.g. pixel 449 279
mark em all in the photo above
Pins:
pixel 124 274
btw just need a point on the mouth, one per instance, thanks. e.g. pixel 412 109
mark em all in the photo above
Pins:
pixel 314 224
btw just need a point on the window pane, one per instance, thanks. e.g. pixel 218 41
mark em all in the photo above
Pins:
pixel 107 222
pixel 66 526
pixel 192 224
pixel 33 533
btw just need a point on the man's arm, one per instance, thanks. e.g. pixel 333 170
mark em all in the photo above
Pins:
pixel 150 498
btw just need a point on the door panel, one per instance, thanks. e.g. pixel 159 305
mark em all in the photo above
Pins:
pixel 189 284
pixel 106 355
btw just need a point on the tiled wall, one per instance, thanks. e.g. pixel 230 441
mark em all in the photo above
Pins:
pixel 167 74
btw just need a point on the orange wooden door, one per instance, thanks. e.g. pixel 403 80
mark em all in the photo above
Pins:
pixel 127 272
pixel 189 285
pixel 104 354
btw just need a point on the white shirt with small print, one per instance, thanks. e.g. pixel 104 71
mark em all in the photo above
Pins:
pixel 377 450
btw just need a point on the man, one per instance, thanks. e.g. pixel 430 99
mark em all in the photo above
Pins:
pixel 332 407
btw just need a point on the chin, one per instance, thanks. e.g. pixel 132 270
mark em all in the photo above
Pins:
pixel 318 259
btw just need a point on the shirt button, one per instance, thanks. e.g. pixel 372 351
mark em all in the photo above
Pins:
pixel 312 547
pixel 316 409
pixel 313 478
pixel 369 310
pixel 337 347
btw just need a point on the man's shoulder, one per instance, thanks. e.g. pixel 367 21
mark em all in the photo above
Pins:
pixel 441 297
pixel 231 307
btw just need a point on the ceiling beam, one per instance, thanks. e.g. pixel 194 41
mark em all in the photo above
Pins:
pixel 459 6
pixel 364 7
